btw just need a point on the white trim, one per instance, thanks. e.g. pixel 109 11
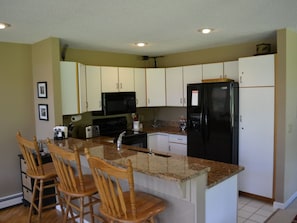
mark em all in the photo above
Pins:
pixel 286 204
pixel 11 200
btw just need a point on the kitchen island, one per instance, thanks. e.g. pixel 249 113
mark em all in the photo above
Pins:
pixel 196 190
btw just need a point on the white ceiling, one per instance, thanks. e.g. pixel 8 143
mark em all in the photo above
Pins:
pixel 168 26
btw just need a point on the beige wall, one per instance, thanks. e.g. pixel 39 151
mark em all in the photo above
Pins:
pixel 45 60
pixel 17 111
pixel 286 110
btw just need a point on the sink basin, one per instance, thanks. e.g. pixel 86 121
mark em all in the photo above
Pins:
pixel 153 154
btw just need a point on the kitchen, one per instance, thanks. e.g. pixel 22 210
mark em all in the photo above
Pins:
pixel 44 129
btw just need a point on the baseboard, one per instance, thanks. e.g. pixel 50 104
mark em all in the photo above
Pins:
pixel 286 204
pixel 11 200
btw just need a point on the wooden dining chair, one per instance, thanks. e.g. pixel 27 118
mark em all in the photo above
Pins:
pixel 118 205
pixel 44 176
pixel 73 184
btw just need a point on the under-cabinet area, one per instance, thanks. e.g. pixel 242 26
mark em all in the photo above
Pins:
pixel 27 182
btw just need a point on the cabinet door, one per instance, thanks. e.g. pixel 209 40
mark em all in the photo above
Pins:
pixel 73 87
pixel 158 141
pixel 180 149
pixel 256 71
pixel 191 74
pixel 139 85
pixel 256 140
pixel 109 78
pixel 93 78
pixel 212 70
pixel 126 79
pixel 155 83
pixel 231 70
pixel 174 86
pixel 82 85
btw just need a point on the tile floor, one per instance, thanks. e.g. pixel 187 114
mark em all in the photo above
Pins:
pixel 253 211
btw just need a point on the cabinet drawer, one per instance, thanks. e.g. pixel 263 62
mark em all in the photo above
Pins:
pixel 27 182
pixel 27 194
pixel 178 139
pixel 23 166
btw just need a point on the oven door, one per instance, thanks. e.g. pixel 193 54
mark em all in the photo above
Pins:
pixel 139 140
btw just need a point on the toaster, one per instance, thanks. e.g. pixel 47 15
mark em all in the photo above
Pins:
pixel 60 132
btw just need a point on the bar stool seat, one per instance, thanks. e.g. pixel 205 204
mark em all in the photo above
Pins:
pixel 118 205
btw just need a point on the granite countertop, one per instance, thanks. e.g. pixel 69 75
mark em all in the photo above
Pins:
pixel 166 166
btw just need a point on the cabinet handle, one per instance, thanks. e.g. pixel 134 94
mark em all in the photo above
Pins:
pixel 181 101
pixel 121 85
pixel 148 101
pixel 117 85
pixel 240 79
pixel 169 148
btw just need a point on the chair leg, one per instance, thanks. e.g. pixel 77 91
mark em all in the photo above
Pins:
pixel 81 210
pixel 32 201
pixel 91 208
pixel 41 183
pixel 67 198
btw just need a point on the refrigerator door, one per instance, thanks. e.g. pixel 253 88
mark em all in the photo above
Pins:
pixel 219 122
pixel 195 124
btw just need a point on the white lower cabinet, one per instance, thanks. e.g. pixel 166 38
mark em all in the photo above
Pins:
pixel 178 144
pixel 168 143
pixel 158 141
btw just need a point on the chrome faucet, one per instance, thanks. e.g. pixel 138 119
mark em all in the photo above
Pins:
pixel 119 141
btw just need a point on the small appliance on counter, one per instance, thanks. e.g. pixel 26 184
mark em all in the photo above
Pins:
pixel 60 132
pixel 86 132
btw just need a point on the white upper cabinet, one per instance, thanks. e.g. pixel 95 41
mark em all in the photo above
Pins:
pixel 126 79
pixel 115 79
pixel 231 70
pixel 109 78
pixel 73 88
pixel 212 70
pixel 155 83
pixel 139 86
pixel 93 79
pixel 256 71
pixel 192 74
pixel 174 86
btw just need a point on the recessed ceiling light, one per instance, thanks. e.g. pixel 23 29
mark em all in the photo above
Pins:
pixel 205 30
pixel 141 44
pixel 4 25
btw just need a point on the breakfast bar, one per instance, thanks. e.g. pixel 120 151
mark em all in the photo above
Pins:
pixel 193 188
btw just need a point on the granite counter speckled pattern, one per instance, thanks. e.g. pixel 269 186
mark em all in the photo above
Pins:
pixel 165 166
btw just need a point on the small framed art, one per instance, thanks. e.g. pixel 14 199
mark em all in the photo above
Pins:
pixel 41 89
pixel 43 112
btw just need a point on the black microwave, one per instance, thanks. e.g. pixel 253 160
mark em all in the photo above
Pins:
pixel 118 103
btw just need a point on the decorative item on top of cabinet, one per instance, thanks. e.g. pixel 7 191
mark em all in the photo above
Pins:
pixel 155 85
pixel 73 87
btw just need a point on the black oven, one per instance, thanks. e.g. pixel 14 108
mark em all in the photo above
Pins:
pixel 113 127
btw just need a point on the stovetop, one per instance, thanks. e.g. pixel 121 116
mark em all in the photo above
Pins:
pixel 112 127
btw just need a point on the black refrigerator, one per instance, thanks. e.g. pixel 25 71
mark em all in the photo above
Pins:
pixel 212 121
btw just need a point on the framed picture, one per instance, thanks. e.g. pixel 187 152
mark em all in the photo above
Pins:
pixel 42 89
pixel 43 112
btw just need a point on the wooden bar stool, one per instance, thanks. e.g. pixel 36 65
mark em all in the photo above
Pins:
pixel 119 206
pixel 44 176
pixel 73 184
